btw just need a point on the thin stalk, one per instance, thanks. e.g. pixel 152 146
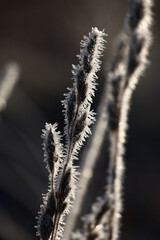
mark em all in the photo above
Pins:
pixel 92 152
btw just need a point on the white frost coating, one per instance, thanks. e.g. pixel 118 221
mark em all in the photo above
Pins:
pixel 63 176
pixel 93 152
pixel 7 83
pixel 91 86
pixel 78 111
pixel 88 162
pixel 91 76
pixel 58 151
pixel 95 63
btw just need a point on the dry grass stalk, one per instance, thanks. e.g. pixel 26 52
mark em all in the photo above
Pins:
pixel 78 115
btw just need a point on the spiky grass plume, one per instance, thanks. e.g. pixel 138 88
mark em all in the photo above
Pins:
pixel 96 223
pixel 92 153
pixel 127 66
pixel 53 156
pixel 59 159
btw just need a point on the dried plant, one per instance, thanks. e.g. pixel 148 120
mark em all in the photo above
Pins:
pixel 63 175
pixel 124 72
pixel 91 155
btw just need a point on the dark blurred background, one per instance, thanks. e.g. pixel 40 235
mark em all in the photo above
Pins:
pixel 43 38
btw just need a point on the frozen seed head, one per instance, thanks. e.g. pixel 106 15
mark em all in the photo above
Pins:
pixel 46 214
pixel 78 113
pixel 65 186
pixel 70 112
pixel 46 226
pixel 80 125
pixel 84 75
pixel 50 204
pixel 51 145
